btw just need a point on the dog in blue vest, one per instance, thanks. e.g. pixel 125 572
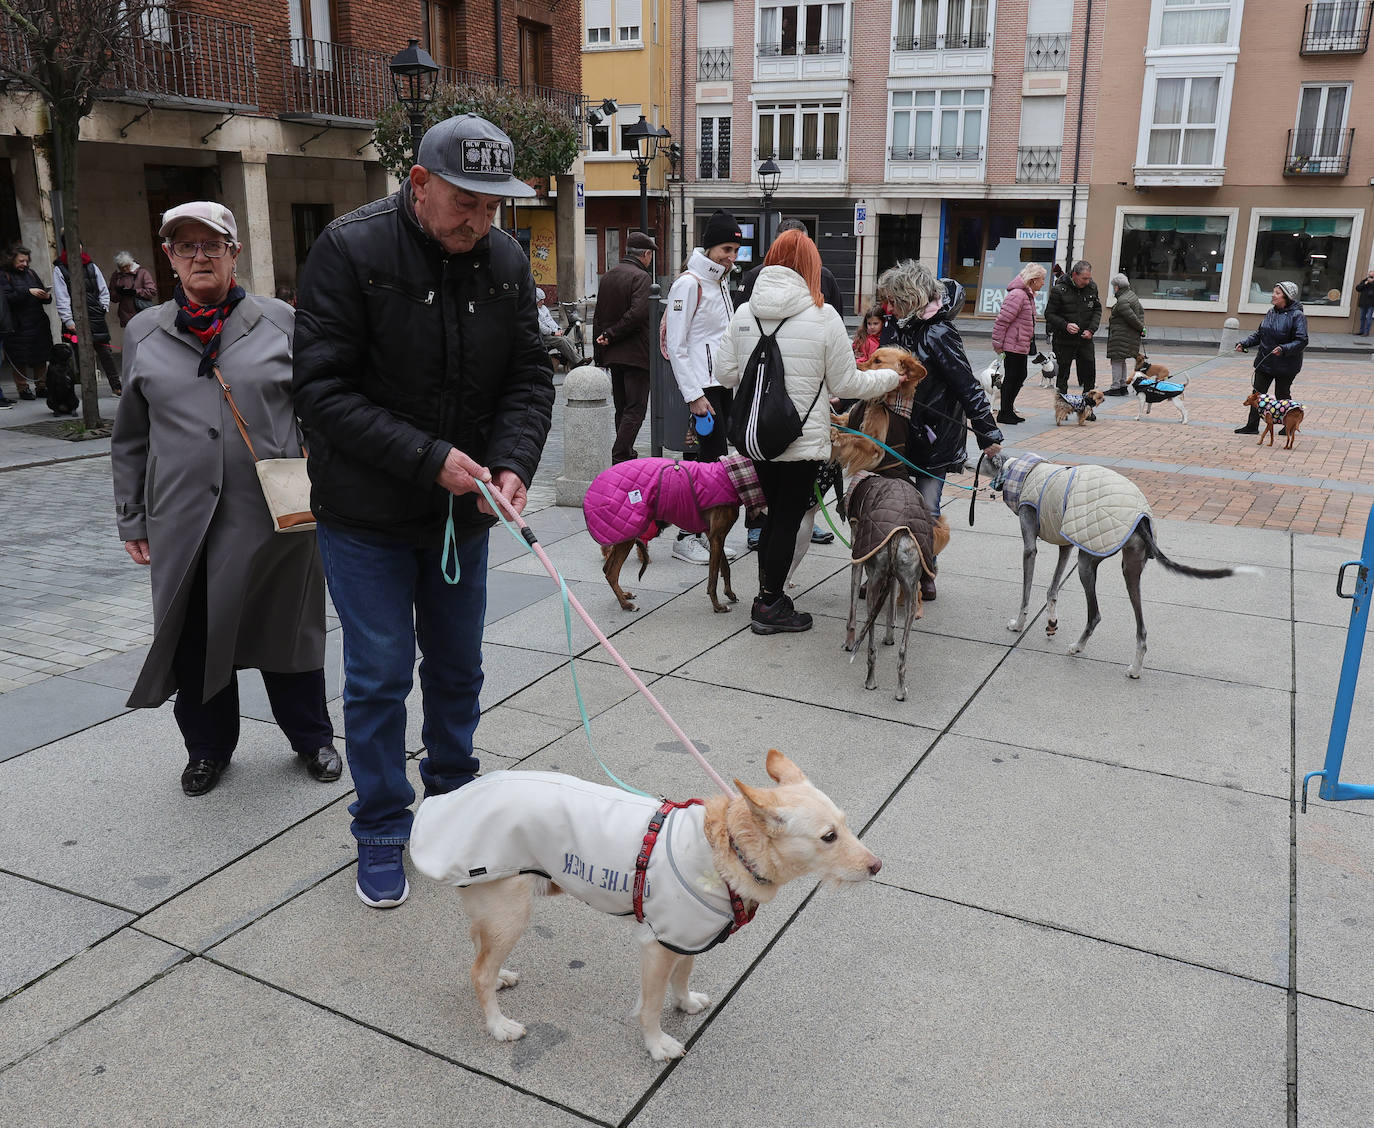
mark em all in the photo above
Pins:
pixel 1152 385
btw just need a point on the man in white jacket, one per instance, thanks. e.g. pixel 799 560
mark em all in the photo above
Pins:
pixel 699 309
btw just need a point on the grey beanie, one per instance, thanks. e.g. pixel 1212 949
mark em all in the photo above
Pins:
pixel 1290 291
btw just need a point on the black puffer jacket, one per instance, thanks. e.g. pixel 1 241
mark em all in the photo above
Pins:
pixel 950 390
pixel 1072 305
pixel 1284 329
pixel 403 352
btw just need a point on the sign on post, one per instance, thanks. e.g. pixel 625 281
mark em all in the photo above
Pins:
pixel 860 216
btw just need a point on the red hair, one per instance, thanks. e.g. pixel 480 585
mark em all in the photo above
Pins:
pixel 796 251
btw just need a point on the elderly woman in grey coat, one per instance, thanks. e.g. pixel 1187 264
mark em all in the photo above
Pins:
pixel 1125 335
pixel 228 591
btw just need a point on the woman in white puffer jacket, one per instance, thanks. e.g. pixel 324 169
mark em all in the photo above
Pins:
pixel 818 361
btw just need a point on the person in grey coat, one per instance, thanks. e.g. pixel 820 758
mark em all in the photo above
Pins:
pixel 228 591
pixel 1125 335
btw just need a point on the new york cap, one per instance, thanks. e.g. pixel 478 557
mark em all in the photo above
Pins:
pixel 473 154
pixel 213 215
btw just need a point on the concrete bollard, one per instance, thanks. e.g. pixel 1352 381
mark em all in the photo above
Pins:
pixel 588 426
pixel 1230 334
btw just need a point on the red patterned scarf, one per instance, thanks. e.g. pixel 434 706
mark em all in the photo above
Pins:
pixel 206 322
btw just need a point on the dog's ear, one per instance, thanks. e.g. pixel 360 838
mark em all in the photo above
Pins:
pixel 781 769
pixel 912 370
pixel 759 800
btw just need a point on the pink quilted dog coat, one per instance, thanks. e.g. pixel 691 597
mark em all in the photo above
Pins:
pixel 633 500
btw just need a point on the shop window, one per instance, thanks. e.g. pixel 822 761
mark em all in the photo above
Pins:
pixel 1312 251
pixel 1175 258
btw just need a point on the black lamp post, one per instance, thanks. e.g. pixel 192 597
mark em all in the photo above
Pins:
pixel 768 175
pixel 414 76
pixel 647 140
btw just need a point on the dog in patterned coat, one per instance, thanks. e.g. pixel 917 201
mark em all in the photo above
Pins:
pixel 1288 414
pixel 628 504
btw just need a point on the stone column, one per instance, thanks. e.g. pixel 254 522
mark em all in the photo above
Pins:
pixel 572 238
pixel 379 182
pixel 588 423
pixel 245 193
pixel 1230 334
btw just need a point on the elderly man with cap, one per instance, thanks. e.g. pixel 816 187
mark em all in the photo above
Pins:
pixel 420 372
pixel 1281 337
pixel 554 339
pixel 621 328
pixel 228 591
pixel 699 311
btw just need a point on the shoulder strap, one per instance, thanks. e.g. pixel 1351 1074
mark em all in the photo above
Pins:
pixel 772 337
pixel 238 419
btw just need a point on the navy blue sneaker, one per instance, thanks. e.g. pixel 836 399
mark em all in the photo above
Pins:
pixel 381 878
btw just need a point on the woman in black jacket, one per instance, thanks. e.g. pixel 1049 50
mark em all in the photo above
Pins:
pixel 922 311
pixel 29 342
pixel 1281 337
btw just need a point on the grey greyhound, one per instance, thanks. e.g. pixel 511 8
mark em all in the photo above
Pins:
pixel 1099 512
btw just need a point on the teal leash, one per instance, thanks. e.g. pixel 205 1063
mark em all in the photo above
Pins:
pixel 450 548
pixel 900 458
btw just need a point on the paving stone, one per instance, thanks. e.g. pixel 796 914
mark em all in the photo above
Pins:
pixel 203 1038
pixel 41 926
pixel 51 709
pixel 1335 1069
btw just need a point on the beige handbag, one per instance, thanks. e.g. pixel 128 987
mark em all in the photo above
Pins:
pixel 285 482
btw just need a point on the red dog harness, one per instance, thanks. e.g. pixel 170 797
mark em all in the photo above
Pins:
pixel 742 915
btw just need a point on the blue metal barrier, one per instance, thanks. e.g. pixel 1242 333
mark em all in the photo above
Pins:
pixel 1332 789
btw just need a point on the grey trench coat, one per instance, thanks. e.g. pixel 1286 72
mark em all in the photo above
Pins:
pixel 184 480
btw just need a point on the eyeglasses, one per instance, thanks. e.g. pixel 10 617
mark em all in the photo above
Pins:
pixel 212 248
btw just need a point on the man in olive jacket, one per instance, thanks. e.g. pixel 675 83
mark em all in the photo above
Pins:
pixel 1073 312
pixel 621 328
pixel 419 372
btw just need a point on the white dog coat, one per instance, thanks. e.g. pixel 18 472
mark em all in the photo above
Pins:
pixel 585 838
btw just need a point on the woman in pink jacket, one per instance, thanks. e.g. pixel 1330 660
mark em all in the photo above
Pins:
pixel 1013 336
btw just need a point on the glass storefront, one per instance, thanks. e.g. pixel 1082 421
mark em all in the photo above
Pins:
pixel 1310 250
pixel 984 247
pixel 1174 258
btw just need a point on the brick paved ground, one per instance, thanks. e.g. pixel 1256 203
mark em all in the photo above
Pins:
pixel 69 596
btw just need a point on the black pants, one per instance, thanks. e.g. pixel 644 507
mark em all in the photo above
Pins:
pixel 1013 376
pixel 714 445
pixel 630 394
pixel 211 728
pixel 787 486
pixel 104 355
pixel 1283 389
pixel 1070 349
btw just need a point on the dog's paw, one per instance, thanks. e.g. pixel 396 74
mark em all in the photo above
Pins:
pixel 1133 672
pixel 664 1047
pixel 505 1029
pixel 1018 624
pixel 506 978
pixel 720 608
pixel 1075 649
pixel 900 695
pixel 694 1003
pixel 1051 626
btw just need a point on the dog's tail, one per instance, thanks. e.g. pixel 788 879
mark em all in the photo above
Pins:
pixel 1148 535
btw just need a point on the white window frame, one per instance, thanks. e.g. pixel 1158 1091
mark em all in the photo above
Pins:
pixel 1186 70
pixel 936 110
pixel 612 36
pixel 1355 8
pixel 715 115
pixel 1326 88
pixel 1224 290
pixel 822 107
pixel 1157 25
pixel 942 24
pixel 1351 262
pixel 846 20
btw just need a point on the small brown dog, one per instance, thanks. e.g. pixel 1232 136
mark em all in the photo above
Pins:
pixel 1082 406
pixel 1287 413
pixel 1146 367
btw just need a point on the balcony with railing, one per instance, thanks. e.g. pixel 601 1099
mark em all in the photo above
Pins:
pixel 1047 52
pixel 714 164
pixel 325 81
pixel 185 59
pixel 802 59
pixel 1037 164
pixel 927 164
pixel 715 64
pixel 1336 27
pixel 817 163
pixel 931 55
pixel 1318 152
pixel 566 102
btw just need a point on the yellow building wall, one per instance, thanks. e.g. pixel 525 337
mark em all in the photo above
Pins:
pixel 543 245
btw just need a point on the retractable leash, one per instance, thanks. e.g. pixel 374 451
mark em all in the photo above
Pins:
pixel 526 536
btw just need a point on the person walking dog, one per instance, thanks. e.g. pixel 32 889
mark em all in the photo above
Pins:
pixel 1281 339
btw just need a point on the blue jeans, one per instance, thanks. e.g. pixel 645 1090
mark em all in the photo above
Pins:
pixel 1366 319
pixel 389 596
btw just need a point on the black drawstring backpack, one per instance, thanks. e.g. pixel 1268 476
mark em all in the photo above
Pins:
pixel 763 420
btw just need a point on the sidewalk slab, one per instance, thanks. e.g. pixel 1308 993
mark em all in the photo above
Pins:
pixel 1320 654
pixel 102 813
pixel 952 1015
pixel 1210 731
pixel 206 1045
pixel 1335 1068
pixel 41 926
pixel 1335 894
pixel 82 987
pixel 38 714
pixel 1185 870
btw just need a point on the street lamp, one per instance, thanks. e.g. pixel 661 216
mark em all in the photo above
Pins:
pixel 768 175
pixel 414 76
pixel 646 141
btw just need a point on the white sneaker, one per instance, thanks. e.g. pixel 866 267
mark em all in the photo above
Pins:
pixel 693 550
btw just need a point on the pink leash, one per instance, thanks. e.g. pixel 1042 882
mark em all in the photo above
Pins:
pixel 495 498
